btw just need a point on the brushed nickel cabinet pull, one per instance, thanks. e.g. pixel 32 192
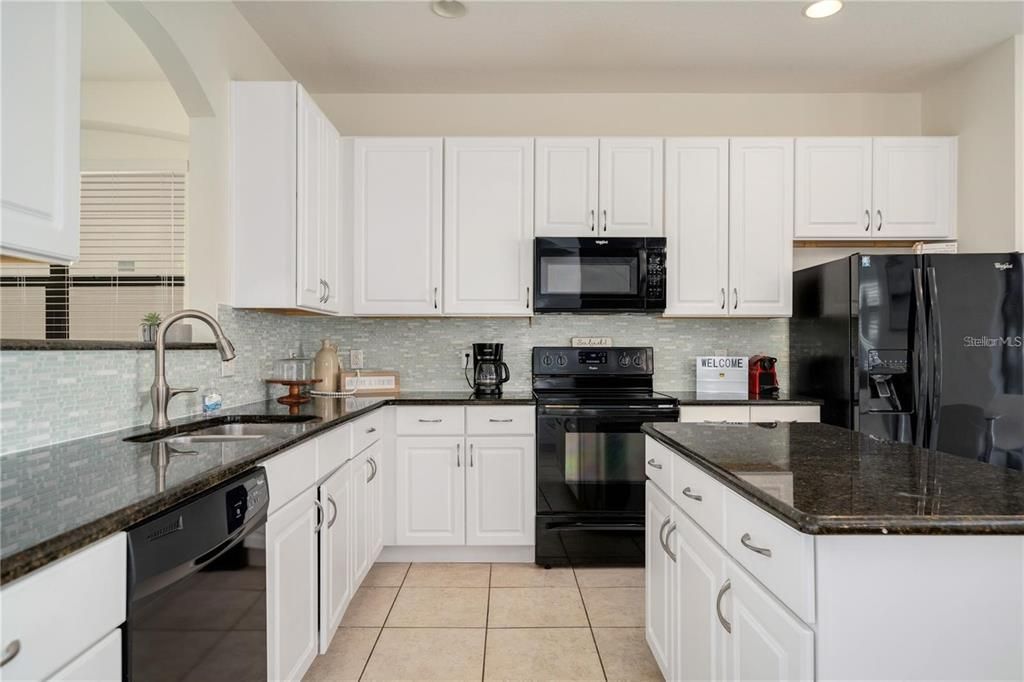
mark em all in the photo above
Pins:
pixel 867 225
pixel 691 495
pixel 604 215
pixel 334 506
pixel 653 464
pixel 879 220
pixel 499 421
pixel 592 221
pixel 10 651
pixel 470 454
pixel 430 421
pixel 763 551
pixel 458 459
pixel 723 298
pixel 664 544
pixel 320 516
pixel 718 606
pixel 735 298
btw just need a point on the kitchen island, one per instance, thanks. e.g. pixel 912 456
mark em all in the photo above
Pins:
pixel 806 551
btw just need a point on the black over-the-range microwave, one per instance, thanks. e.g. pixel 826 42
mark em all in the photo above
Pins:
pixel 599 274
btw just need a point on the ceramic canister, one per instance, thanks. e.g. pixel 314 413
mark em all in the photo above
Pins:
pixel 327 367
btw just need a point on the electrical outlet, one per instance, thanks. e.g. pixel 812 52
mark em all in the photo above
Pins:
pixel 355 359
pixel 465 356
pixel 227 369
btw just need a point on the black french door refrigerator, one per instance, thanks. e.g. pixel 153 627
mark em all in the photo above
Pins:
pixel 920 349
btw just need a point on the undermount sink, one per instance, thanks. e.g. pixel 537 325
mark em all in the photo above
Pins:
pixel 238 429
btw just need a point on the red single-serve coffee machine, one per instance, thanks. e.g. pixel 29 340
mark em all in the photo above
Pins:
pixel 763 379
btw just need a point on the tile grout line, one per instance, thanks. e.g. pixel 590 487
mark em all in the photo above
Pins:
pixel 381 630
pixel 590 625
pixel 487 621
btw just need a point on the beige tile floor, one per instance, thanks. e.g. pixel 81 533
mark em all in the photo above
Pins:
pixel 492 622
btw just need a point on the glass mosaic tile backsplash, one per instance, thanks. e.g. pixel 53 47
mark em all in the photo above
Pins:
pixel 52 396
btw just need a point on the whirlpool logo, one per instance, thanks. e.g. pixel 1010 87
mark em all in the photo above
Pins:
pixel 994 342
pixel 1003 266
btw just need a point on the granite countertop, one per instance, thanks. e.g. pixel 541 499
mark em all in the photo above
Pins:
pixel 823 479
pixel 62 497
pixel 698 398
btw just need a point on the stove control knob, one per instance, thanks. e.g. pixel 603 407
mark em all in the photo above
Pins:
pixel 624 360
pixel 547 360
pixel 638 360
pixel 562 360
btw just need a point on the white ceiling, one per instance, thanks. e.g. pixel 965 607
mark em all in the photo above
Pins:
pixel 111 51
pixel 626 46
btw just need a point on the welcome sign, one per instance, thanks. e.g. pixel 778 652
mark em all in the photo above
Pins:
pixel 721 374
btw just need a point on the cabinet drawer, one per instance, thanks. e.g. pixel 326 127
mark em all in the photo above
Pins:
pixel 714 413
pixel 785 562
pixel 700 496
pixel 493 421
pixel 366 431
pixel 333 449
pixel 58 612
pixel 291 472
pixel 784 413
pixel 431 421
pixel 659 463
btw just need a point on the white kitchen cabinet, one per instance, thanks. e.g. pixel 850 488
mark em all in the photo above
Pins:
pixel 373 505
pixel 359 474
pixel 285 200
pixel 397 208
pixel 488 226
pixel 292 599
pixel 336 548
pixel 431 490
pixel 876 188
pixel 697 225
pixel 749 413
pixel 766 642
pixel 631 181
pixel 660 603
pixel 53 615
pixel 566 186
pixel 761 227
pixel 914 187
pixel 588 187
pixel 833 188
pixel 500 497
pixel 101 663
pixel 699 635
pixel 41 64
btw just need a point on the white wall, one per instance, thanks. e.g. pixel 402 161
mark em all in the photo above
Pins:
pixel 623 114
pixel 1018 78
pixel 132 125
pixel 977 101
pixel 220 46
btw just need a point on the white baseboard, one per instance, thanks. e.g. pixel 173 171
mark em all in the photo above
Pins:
pixel 458 554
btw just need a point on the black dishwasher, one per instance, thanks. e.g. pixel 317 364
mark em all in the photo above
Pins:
pixel 197 588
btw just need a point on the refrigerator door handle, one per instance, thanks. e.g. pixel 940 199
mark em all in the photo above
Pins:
pixel 921 394
pixel 935 336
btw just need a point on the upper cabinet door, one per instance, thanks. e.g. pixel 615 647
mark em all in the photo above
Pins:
pixel 488 226
pixel 833 188
pixel 397 226
pixel 311 204
pixel 697 225
pixel 631 187
pixel 41 75
pixel 331 225
pixel 566 183
pixel 915 187
pixel 760 227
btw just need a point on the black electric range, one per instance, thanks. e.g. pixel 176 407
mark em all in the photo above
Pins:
pixel 591 403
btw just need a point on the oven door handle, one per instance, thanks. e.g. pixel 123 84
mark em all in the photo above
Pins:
pixel 579 526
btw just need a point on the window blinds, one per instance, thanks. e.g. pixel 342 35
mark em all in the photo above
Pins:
pixel 132 262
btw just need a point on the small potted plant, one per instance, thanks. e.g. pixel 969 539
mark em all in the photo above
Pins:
pixel 147 328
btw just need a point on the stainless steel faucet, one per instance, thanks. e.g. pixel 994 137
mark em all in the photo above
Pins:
pixel 160 393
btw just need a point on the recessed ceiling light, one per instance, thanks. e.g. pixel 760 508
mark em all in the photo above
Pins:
pixel 820 9
pixel 449 9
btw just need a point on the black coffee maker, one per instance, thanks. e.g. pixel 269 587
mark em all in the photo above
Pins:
pixel 489 372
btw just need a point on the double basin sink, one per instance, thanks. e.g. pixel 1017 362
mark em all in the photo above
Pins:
pixel 226 430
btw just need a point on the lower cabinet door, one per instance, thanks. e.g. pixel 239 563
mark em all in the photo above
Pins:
pixel 700 575
pixel 375 501
pixel 292 587
pixel 659 580
pixel 359 473
pixel 102 662
pixel 767 642
pixel 430 486
pixel 500 490
pixel 336 546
